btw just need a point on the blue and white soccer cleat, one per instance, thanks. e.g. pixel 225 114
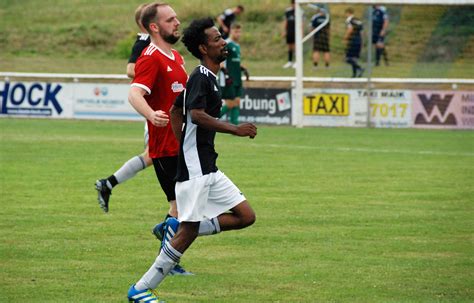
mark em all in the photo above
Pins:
pixel 171 228
pixel 139 296
pixel 159 230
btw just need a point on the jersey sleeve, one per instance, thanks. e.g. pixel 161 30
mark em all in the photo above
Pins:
pixel 137 49
pixel 146 71
pixel 196 92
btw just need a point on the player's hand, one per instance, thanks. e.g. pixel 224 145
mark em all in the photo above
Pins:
pixel 228 80
pixel 246 73
pixel 159 118
pixel 246 130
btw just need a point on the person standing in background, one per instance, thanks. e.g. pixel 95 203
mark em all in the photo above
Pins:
pixel 321 37
pixel 353 41
pixel 232 69
pixel 289 33
pixel 226 19
pixel 380 24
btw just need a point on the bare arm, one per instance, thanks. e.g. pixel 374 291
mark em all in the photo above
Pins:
pixel 135 97
pixel 201 118
pixel 384 28
pixel 283 28
pixel 176 114
pixel 348 34
pixel 131 70
pixel 221 24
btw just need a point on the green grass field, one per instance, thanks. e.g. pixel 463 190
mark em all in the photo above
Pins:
pixel 343 215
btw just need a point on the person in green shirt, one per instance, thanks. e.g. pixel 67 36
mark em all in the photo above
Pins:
pixel 231 76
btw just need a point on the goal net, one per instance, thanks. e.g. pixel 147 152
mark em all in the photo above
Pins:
pixel 351 44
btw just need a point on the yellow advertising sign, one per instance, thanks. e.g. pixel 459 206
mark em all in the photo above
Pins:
pixel 326 105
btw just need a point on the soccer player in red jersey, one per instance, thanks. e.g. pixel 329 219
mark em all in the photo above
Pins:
pixel 159 78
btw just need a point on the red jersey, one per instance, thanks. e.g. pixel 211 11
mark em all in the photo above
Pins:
pixel 163 77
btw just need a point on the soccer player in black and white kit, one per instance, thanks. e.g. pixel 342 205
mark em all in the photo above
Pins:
pixel 142 41
pixel 208 202
pixel 379 31
pixel 227 18
pixel 353 40
pixel 137 163
pixel 289 33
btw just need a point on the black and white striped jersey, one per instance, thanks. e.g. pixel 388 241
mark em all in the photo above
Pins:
pixel 197 156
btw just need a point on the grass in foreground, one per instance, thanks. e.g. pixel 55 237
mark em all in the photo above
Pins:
pixel 343 215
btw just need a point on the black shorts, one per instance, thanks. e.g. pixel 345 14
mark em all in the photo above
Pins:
pixel 377 39
pixel 353 50
pixel 165 169
pixel 290 38
pixel 321 41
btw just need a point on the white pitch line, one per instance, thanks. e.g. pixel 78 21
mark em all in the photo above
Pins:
pixel 56 138
pixel 366 150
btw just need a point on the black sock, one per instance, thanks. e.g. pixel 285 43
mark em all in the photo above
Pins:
pixel 113 181
pixel 385 56
pixel 355 66
pixel 327 64
pixel 290 56
pixel 378 54
pixel 315 64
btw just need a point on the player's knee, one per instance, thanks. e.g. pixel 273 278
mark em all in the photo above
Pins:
pixel 188 232
pixel 248 219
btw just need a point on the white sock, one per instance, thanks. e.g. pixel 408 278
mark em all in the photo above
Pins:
pixel 130 169
pixel 165 261
pixel 209 227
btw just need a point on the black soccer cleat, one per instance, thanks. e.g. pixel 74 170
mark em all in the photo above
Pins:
pixel 103 194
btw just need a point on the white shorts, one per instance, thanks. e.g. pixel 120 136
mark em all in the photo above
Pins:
pixel 206 197
pixel 145 134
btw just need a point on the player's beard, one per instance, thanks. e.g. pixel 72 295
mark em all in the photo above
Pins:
pixel 222 56
pixel 171 38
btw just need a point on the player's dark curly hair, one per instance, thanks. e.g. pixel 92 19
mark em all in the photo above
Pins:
pixel 194 35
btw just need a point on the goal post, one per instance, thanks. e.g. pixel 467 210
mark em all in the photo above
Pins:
pixel 364 82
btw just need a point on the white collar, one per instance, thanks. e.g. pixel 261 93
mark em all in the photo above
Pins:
pixel 163 52
pixel 208 70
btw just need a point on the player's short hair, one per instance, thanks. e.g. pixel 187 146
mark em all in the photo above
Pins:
pixel 150 14
pixel 349 10
pixel 194 35
pixel 235 26
pixel 241 7
pixel 138 13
